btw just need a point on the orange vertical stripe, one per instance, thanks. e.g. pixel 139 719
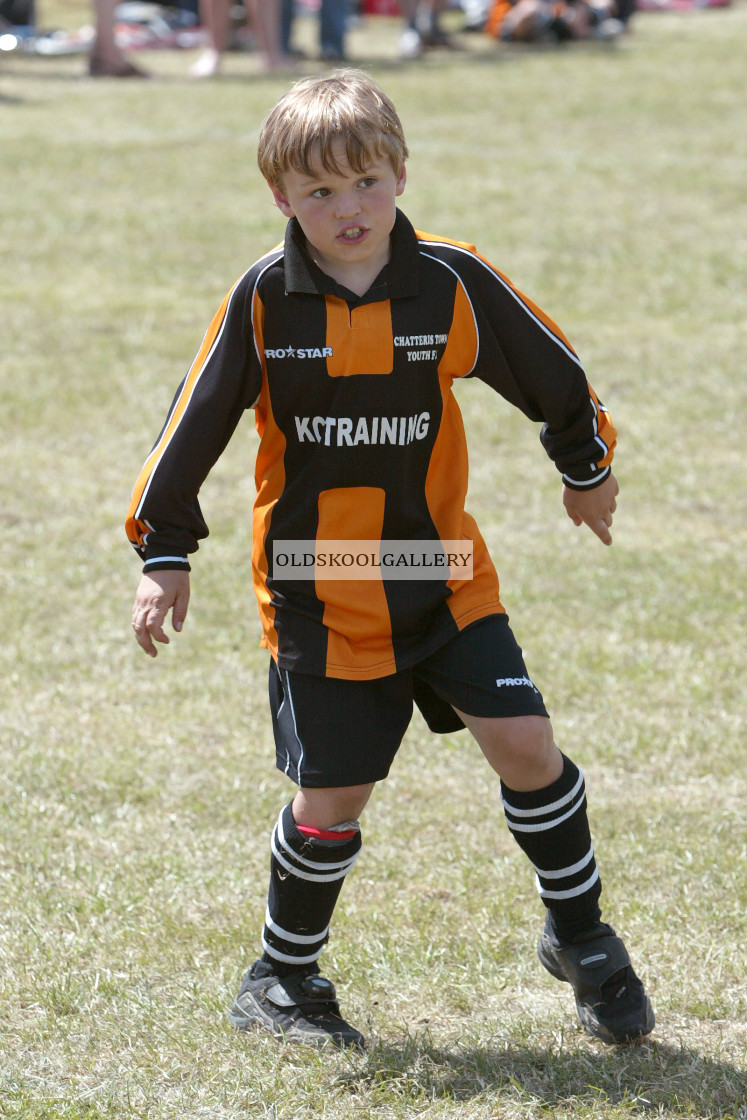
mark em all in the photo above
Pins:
pixel 446 480
pixel 605 429
pixel 356 612
pixel 270 478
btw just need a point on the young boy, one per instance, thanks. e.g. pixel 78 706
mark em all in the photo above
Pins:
pixel 345 341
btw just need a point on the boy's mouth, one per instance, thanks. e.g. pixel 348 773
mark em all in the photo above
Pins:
pixel 353 233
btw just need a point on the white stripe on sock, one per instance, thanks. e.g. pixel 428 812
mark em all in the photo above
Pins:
pixel 573 892
pixel 286 958
pixel 565 872
pixel 296 938
pixel 544 809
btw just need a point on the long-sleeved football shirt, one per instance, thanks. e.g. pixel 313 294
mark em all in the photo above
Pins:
pixel 361 438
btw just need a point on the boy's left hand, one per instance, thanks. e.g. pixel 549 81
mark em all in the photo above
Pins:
pixel 593 507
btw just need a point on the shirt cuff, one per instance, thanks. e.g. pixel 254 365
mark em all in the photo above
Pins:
pixel 166 563
pixel 587 483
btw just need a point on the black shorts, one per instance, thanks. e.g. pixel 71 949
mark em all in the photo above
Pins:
pixel 331 732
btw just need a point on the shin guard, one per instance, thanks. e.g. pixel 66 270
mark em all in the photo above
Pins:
pixel 306 876
pixel 551 827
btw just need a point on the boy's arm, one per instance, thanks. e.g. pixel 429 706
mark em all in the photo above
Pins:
pixel 524 355
pixel 593 507
pixel 156 595
pixel 164 521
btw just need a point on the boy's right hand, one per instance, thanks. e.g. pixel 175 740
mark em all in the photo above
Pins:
pixel 157 594
pixel 593 507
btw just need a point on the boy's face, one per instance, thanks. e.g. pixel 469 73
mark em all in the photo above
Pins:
pixel 347 218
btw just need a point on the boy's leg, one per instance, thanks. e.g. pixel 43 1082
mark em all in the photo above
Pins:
pixel 311 854
pixel 347 732
pixel 283 990
pixel 544 800
pixel 482 677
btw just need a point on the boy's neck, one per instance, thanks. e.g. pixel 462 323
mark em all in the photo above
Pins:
pixel 357 278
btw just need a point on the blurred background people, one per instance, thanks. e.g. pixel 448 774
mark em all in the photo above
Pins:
pixel 423 28
pixel 106 59
pixel 534 21
pixel 215 16
pixel 333 22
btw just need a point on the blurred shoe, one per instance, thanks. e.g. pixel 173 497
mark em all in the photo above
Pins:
pixel 475 14
pixel 437 39
pixel 207 65
pixel 410 44
pixel 607 29
pixel 102 68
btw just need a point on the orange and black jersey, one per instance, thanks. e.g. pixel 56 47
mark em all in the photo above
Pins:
pixel 361 437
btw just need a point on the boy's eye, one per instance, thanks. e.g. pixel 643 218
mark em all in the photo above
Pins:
pixel 320 192
pixel 368 181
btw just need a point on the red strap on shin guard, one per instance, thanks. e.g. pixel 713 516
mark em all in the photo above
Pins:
pixel 325 834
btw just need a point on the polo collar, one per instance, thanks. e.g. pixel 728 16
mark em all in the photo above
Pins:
pixel 397 280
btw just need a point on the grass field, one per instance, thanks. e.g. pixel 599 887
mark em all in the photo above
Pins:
pixel 137 796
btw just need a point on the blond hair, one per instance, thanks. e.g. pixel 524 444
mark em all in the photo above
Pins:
pixel 315 113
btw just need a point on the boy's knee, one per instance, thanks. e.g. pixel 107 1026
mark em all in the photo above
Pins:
pixel 326 808
pixel 521 749
pixel 526 737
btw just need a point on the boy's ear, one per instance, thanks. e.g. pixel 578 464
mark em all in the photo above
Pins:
pixel 280 200
pixel 401 180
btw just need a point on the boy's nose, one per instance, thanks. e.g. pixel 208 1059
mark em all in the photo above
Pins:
pixel 348 206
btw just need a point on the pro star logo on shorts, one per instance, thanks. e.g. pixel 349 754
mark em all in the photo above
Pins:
pixel 506 682
pixel 300 352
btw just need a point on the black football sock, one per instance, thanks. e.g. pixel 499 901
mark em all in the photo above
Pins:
pixel 306 875
pixel 551 827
